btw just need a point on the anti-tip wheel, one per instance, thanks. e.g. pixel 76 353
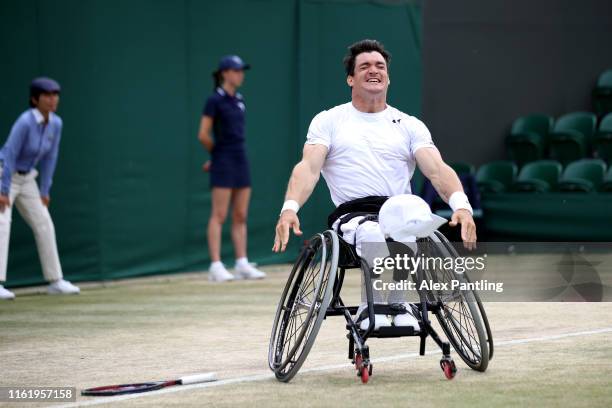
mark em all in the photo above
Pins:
pixel 358 363
pixel 449 368
pixel 365 375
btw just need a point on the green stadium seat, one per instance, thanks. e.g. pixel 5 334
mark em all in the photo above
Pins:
pixel 606 186
pixel 585 176
pixel 496 177
pixel 603 139
pixel 605 79
pixel 538 177
pixel 528 138
pixel 602 94
pixel 571 136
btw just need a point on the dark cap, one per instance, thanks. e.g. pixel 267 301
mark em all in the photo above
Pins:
pixel 43 84
pixel 232 62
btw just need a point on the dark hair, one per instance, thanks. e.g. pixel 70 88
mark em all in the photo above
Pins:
pixel 217 78
pixel 34 93
pixel 360 47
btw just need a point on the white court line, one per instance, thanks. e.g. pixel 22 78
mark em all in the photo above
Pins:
pixel 260 377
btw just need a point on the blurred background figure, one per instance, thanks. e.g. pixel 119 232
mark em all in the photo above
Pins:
pixel 33 141
pixel 230 179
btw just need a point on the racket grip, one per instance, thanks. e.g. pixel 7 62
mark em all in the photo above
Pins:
pixel 198 378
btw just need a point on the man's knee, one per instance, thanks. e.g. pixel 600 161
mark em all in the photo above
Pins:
pixel 369 242
pixel 370 231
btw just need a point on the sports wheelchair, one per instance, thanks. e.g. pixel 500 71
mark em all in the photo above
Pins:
pixel 313 290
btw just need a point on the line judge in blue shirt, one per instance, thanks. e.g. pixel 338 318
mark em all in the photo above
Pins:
pixel 230 180
pixel 33 142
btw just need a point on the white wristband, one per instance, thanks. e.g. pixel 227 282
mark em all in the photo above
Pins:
pixel 290 205
pixel 458 200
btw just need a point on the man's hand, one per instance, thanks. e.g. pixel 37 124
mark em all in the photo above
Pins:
pixel 5 202
pixel 288 220
pixel 468 227
pixel 46 201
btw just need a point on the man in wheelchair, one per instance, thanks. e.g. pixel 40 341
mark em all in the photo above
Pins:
pixel 367 151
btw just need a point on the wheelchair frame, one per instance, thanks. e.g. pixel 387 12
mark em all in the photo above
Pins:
pixel 336 257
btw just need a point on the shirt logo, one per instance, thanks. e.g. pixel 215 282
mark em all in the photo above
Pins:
pixel 396 120
pixel 241 106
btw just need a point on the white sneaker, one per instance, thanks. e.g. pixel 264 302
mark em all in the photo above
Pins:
pixel 218 273
pixel 62 287
pixel 406 319
pixel 6 294
pixel 379 320
pixel 248 271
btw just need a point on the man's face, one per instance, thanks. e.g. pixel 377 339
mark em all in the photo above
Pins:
pixel 47 102
pixel 370 74
pixel 234 77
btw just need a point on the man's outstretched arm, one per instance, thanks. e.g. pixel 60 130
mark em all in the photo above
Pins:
pixel 447 184
pixel 301 183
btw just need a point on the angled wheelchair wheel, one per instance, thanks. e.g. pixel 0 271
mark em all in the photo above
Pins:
pixel 303 304
pixel 462 315
pixel 483 314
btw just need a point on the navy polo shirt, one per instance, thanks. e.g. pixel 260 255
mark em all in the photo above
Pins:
pixel 228 113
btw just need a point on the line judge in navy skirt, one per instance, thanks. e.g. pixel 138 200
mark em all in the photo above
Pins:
pixel 230 179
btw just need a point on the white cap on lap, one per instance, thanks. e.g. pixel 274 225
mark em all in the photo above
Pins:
pixel 405 217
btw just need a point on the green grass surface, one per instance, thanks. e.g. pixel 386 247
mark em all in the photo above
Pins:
pixel 157 328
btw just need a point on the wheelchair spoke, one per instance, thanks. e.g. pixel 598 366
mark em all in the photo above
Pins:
pixel 310 282
pixel 475 344
pixel 304 300
pixel 462 328
pixel 455 297
pixel 461 316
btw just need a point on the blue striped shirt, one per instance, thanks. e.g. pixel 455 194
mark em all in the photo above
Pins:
pixel 31 143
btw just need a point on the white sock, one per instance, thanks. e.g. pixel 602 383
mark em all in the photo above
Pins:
pixel 216 264
pixel 242 261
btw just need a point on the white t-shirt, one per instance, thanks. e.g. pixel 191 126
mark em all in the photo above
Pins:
pixel 368 153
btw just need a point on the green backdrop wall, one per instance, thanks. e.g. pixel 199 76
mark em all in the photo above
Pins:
pixel 129 197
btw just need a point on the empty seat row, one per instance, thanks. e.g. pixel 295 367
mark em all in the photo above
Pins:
pixel 586 175
pixel 602 94
pixel 573 136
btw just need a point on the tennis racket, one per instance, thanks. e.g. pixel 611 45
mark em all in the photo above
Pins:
pixel 119 389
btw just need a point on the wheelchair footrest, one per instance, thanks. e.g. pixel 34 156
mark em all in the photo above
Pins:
pixel 394 331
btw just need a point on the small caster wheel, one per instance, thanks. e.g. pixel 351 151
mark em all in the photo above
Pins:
pixel 358 363
pixel 365 375
pixel 449 368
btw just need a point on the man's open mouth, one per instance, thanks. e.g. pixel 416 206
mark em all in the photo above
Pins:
pixel 374 80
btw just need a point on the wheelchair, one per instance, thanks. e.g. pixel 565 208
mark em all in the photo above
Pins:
pixel 312 293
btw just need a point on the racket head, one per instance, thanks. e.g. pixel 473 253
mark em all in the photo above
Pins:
pixel 119 389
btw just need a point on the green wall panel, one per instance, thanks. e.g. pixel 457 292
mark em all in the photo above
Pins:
pixel 129 197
